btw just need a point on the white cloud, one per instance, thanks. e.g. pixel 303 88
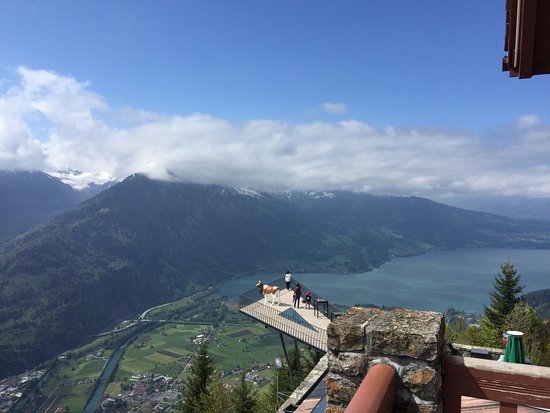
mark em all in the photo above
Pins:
pixel 19 149
pixel 53 122
pixel 335 108
pixel 527 121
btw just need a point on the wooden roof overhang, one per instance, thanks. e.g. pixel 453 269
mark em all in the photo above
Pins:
pixel 527 38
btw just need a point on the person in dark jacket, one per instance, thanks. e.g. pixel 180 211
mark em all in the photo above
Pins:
pixel 308 300
pixel 297 295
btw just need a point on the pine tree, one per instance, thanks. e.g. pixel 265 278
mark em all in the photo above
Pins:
pixel 218 398
pixel 201 375
pixel 535 339
pixel 504 297
pixel 281 386
pixel 244 396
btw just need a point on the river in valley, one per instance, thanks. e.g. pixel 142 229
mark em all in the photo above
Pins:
pixel 460 279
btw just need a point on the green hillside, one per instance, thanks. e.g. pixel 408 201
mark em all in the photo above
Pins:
pixel 540 301
pixel 28 199
pixel 143 242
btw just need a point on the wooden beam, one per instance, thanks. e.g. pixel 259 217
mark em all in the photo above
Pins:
pixel 509 383
pixel 528 19
pixel 376 394
pixel 508 408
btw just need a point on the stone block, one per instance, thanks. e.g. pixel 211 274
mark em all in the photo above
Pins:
pixel 428 407
pixel 346 332
pixel 334 409
pixel 352 364
pixel 340 389
pixel 415 334
pixel 411 404
pixel 410 341
pixel 421 380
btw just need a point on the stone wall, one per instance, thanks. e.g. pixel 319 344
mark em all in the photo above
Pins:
pixel 411 341
pixel 465 350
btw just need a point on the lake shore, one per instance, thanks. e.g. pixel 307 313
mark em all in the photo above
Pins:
pixel 437 280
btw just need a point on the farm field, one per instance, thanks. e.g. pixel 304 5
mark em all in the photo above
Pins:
pixel 73 397
pixel 165 350
pixel 72 384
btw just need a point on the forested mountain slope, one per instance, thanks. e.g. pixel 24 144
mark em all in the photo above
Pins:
pixel 540 301
pixel 145 242
pixel 31 198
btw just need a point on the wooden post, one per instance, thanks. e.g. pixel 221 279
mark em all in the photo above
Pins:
pixel 508 408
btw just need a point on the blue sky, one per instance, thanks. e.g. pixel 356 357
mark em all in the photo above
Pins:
pixel 394 97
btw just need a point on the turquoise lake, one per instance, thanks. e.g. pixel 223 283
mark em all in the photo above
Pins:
pixel 461 279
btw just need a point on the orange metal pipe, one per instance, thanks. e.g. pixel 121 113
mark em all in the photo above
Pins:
pixel 376 394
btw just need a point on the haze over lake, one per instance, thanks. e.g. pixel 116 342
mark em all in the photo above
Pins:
pixel 438 280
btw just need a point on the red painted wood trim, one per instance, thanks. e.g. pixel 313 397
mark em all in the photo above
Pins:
pixel 509 383
pixel 376 394
pixel 527 38
pixel 511 28
pixel 508 408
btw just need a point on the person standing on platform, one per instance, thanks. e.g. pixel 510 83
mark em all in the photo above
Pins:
pixel 288 279
pixel 308 300
pixel 297 295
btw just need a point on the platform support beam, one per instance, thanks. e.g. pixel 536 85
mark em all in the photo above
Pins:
pixel 287 361
pixel 298 360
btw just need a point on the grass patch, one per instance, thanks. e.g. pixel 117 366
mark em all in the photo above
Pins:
pixel 92 368
pixel 72 396
pixel 234 346
pixel 170 353
pixel 134 366
pixel 240 333
pixel 159 358
pixel 113 389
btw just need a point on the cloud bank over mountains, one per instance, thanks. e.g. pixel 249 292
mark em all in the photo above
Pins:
pixel 53 122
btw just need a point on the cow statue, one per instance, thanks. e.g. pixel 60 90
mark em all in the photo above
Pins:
pixel 271 291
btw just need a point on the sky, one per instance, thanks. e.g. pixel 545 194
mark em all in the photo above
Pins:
pixel 395 97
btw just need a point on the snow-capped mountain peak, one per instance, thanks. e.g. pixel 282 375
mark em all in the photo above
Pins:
pixel 81 180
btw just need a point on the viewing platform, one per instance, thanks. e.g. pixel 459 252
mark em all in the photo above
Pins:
pixel 393 361
pixel 308 326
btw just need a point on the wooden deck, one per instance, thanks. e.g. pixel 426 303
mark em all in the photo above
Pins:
pixel 310 327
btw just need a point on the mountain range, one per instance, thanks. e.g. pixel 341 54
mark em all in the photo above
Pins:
pixel 144 242
pixel 30 198
pixel 509 206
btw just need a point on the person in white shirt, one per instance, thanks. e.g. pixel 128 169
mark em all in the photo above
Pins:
pixel 288 279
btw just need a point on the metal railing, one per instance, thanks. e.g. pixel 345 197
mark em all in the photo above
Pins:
pixel 280 282
pixel 294 326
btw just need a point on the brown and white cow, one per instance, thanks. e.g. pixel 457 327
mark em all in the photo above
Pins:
pixel 270 290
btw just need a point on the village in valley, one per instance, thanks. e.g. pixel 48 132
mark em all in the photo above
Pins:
pixel 152 372
pixel 13 388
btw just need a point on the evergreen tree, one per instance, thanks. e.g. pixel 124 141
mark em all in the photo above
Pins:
pixel 218 398
pixel 535 334
pixel 281 386
pixel 268 400
pixel 244 396
pixel 504 297
pixel 201 375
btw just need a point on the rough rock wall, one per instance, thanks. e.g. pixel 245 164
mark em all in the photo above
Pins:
pixel 411 341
